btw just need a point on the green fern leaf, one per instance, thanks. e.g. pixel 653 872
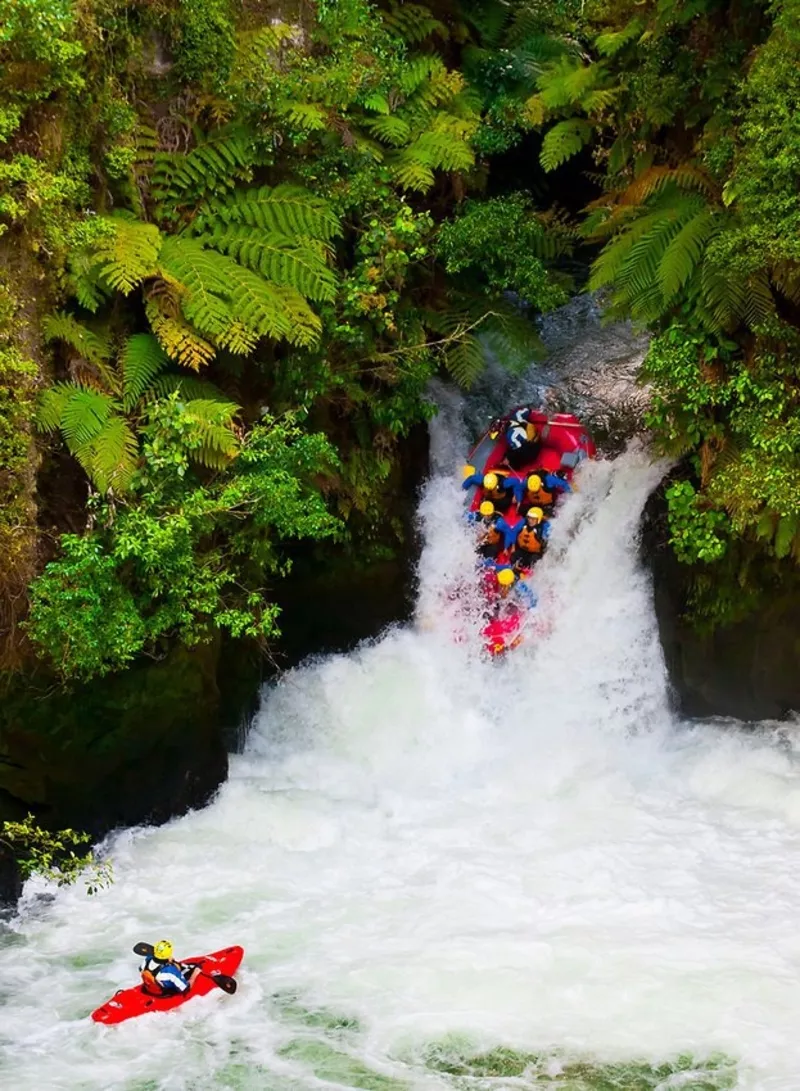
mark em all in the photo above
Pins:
pixel 563 141
pixel 110 459
pixel 684 253
pixel 212 423
pixel 410 173
pixel 92 345
pixel 142 359
pixel 188 389
pixel 84 416
pixel 413 22
pixel 128 254
pixel 277 257
pixel 611 43
pixel 390 129
pixel 308 116
pixel 465 360
pixel 50 410
pixel 284 209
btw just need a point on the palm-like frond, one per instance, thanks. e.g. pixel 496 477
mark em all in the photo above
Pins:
pixel 128 253
pixel 93 345
pixel 142 359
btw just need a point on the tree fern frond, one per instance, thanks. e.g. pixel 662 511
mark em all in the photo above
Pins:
pixel 188 388
pixel 568 81
pixel 465 360
pixel 128 253
pixel 212 167
pixel 563 141
pixel 684 253
pixel 52 403
pixel 612 42
pixel 655 179
pixel 308 116
pixel 178 340
pixel 441 151
pixel 84 415
pixel 411 173
pixel 420 69
pixel 285 209
pixel 759 303
pixel 285 261
pixel 110 458
pixel 142 359
pixel 413 22
pixel 391 129
pixel 93 345
pixel 212 423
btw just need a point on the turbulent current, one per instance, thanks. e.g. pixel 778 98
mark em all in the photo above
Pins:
pixel 453 874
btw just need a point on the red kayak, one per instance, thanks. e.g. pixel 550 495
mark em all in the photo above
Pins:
pixel 128 1003
pixel 564 444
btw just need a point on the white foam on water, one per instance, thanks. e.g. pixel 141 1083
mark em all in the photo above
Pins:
pixel 529 853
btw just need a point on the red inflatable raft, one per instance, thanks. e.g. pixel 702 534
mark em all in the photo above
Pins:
pixel 565 443
pixel 128 1003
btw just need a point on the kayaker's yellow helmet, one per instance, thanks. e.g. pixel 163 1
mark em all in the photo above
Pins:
pixel 534 483
pixel 490 481
pixel 505 577
pixel 163 950
pixel 469 471
pixel 535 513
pixel 486 508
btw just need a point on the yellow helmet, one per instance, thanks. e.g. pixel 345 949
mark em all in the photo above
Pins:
pixel 534 483
pixel 505 577
pixel 469 471
pixel 535 513
pixel 486 508
pixel 163 950
pixel 490 481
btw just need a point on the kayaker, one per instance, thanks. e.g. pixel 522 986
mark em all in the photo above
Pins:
pixel 162 974
pixel 531 539
pixel 539 490
pixel 522 438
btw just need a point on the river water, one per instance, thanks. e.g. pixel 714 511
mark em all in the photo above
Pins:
pixel 451 874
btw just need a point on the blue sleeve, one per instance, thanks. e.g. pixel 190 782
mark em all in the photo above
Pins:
pixel 553 481
pixel 545 531
pixel 519 487
pixel 473 479
pixel 509 532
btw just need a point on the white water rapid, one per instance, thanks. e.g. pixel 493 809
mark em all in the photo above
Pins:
pixel 453 874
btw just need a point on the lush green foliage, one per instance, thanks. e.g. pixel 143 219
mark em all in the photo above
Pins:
pixel 211 219
pixel 199 189
pixel 58 856
pixel 180 557
pixel 690 112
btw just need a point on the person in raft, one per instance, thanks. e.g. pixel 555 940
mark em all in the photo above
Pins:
pixel 497 534
pixel 508 578
pixel 162 975
pixel 497 486
pixel 531 539
pixel 522 439
pixel 539 490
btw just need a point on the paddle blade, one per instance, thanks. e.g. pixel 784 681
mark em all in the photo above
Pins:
pixel 222 981
pixel 144 949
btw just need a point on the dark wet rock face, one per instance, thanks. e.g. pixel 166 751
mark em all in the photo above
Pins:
pixel 749 670
pixel 141 746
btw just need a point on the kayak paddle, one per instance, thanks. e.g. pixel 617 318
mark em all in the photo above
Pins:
pixel 222 981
